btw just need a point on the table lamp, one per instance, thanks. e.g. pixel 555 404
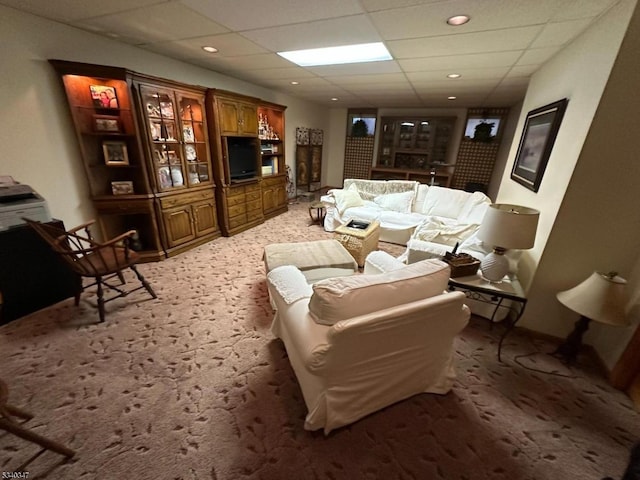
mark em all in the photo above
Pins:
pixel 602 298
pixel 505 227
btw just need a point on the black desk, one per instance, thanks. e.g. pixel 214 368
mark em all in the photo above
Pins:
pixel 32 276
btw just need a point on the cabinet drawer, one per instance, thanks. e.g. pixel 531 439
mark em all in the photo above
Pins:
pixel 236 200
pixel 270 182
pixel 253 196
pixel 255 205
pixel 254 215
pixel 237 221
pixel 179 200
pixel 255 187
pixel 236 210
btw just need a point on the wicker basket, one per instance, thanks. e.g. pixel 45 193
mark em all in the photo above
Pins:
pixel 462 265
pixel 359 242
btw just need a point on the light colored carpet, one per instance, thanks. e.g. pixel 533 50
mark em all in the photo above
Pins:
pixel 193 386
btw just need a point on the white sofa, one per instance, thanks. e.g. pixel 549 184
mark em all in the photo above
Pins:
pixel 406 209
pixel 360 343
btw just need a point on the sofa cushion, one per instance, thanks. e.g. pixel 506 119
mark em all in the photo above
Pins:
pixel 398 202
pixel 474 208
pixel 342 298
pixel 347 198
pixel 444 202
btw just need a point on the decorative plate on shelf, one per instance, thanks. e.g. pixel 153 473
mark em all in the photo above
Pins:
pixel 190 152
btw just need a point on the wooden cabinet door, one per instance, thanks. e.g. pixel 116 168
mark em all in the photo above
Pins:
pixel 179 226
pixel 229 117
pixel 268 199
pixel 248 119
pixel 204 214
pixel 281 194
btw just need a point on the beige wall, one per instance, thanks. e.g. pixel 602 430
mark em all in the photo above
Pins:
pixel 39 147
pixel 586 196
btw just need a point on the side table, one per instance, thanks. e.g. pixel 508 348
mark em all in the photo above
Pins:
pixel 359 242
pixel 320 212
pixel 477 288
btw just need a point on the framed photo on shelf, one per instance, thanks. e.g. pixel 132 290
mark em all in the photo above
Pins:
pixel 104 96
pixel 538 136
pixel 106 123
pixel 187 133
pixel 122 188
pixel 115 153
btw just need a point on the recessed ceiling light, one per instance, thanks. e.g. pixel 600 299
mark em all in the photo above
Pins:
pixel 454 75
pixel 451 98
pixel 364 52
pixel 457 20
pixel 334 99
pixel 210 49
pixel 295 83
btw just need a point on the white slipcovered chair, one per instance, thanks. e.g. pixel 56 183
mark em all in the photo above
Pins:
pixel 360 343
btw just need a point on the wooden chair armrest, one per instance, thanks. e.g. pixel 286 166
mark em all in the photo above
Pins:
pixel 81 227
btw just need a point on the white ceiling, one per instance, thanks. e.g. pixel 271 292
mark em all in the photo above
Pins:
pixel 505 42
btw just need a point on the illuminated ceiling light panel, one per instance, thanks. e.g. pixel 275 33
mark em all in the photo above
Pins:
pixel 210 49
pixel 364 52
pixel 454 75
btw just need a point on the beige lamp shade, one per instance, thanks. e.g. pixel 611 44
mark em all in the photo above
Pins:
pixel 509 226
pixel 601 297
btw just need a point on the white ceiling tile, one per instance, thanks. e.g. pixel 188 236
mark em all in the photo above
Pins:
pixel 478 42
pixel 365 68
pixel 458 62
pixel 556 34
pixel 467 75
pixel 522 70
pixel 166 21
pixel 349 80
pixel 324 33
pixel 242 15
pixel 70 10
pixel 537 56
pixel 248 62
pixel 572 9
pixel 228 45
pixel 430 19
pixel 374 5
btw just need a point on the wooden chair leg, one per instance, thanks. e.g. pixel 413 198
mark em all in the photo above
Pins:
pixel 120 277
pixel 146 284
pixel 100 299
pixel 21 432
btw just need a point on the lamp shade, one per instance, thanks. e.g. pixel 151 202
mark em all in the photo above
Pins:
pixel 509 226
pixel 601 297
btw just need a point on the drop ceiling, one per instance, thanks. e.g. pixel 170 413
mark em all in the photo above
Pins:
pixel 495 53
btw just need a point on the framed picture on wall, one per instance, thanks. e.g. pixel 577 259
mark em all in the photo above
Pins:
pixel 538 136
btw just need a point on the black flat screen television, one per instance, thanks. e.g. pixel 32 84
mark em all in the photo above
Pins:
pixel 243 157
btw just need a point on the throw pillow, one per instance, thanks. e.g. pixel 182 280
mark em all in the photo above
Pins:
pixel 342 298
pixel 347 198
pixel 398 202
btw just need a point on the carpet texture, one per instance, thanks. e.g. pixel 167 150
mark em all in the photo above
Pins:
pixel 193 386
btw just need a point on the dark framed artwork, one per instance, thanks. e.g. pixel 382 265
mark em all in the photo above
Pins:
pixel 538 136
pixel 115 153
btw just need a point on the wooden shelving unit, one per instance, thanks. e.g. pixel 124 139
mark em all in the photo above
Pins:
pixel 415 148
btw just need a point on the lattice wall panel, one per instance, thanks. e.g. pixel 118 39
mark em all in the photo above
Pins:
pixel 476 160
pixel 358 157
pixel 475 163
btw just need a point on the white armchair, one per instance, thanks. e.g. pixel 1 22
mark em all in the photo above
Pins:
pixel 360 343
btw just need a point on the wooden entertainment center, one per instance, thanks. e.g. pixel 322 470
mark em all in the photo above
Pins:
pixel 156 155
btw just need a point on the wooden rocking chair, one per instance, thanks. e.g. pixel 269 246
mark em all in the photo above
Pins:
pixel 89 258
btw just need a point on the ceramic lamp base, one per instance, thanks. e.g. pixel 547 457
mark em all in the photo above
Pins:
pixel 495 266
